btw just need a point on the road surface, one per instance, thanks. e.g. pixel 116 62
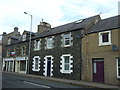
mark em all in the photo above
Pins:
pixel 19 81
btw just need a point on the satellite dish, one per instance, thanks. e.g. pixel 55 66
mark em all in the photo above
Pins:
pixel 115 48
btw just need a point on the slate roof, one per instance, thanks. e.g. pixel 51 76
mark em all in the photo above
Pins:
pixel 106 24
pixel 77 25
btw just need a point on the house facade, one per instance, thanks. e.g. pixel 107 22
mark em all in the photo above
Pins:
pixel 56 52
pixel 15 53
pixel 101 52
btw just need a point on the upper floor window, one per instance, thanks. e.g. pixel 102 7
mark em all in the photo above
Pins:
pixel 9 41
pixel 67 40
pixel 24 37
pixel 105 38
pixel 118 67
pixel 8 52
pixel 49 43
pixel 66 62
pixel 36 63
pixel 23 50
pixel 37 44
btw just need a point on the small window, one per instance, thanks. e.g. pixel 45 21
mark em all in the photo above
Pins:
pixel 105 38
pixel 49 43
pixel 66 62
pixel 23 50
pixel 9 41
pixel 67 40
pixel 37 45
pixel 118 67
pixel 24 37
pixel 36 63
pixel 8 52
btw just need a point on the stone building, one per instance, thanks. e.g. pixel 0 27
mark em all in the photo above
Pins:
pixel 56 52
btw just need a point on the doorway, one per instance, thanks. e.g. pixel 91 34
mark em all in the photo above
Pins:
pixel 98 70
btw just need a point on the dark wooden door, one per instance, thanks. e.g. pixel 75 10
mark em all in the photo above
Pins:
pixel 98 71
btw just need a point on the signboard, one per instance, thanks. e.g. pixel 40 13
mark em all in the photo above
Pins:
pixel 8 59
pixel 21 58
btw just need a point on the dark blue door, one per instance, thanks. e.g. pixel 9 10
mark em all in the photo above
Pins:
pixel 49 67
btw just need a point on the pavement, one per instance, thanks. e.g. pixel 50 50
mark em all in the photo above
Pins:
pixel 75 82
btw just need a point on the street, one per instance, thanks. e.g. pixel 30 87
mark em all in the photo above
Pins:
pixel 18 81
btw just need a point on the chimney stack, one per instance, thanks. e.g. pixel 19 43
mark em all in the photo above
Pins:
pixel 16 29
pixel 44 26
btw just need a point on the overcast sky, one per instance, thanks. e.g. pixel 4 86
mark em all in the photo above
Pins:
pixel 55 12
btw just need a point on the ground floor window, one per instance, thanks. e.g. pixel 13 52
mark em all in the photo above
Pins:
pixel 66 63
pixel 36 63
pixel 118 67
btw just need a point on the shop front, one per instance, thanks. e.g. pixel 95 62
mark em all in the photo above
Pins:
pixel 21 64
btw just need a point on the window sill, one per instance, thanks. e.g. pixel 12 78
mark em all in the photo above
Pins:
pixel 118 77
pixel 105 44
pixel 66 72
pixel 36 49
pixel 35 70
pixel 67 46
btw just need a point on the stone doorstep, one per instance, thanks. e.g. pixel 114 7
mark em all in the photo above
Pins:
pixel 84 83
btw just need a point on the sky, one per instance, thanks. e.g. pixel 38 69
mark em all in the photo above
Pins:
pixel 55 12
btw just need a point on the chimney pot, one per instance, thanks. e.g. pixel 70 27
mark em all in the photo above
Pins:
pixel 16 29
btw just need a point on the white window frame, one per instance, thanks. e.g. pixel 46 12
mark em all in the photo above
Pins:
pixel 8 53
pixel 64 39
pixel 9 41
pixel 34 63
pixel 49 42
pixel 62 70
pixel 23 51
pixel 37 44
pixel 117 67
pixel 101 43
pixel 24 37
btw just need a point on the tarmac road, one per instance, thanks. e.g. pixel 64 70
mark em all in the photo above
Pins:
pixel 18 81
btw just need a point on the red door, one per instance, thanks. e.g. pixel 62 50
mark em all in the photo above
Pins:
pixel 98 71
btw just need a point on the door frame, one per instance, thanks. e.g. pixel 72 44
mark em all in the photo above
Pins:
pixel 45 66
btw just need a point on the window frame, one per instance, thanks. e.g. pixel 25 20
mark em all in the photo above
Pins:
pixel 23 51
pixel 66 39
pixel 37 44
pixel 24 37
pixel 49 43
pixel 118 68
pixel 63 64
pixel 34 63
pixel 101 43
pixel 9 41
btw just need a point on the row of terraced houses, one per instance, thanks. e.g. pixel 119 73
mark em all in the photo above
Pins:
pixel 87 49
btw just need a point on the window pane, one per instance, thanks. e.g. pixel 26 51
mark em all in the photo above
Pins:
pixel 66 39
pixel 36 63
pixel 49 43
pixel 118 71
pixel 66 66
pixel 66 59
pixel 105 37
pixel 118 62
pixel 67 42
